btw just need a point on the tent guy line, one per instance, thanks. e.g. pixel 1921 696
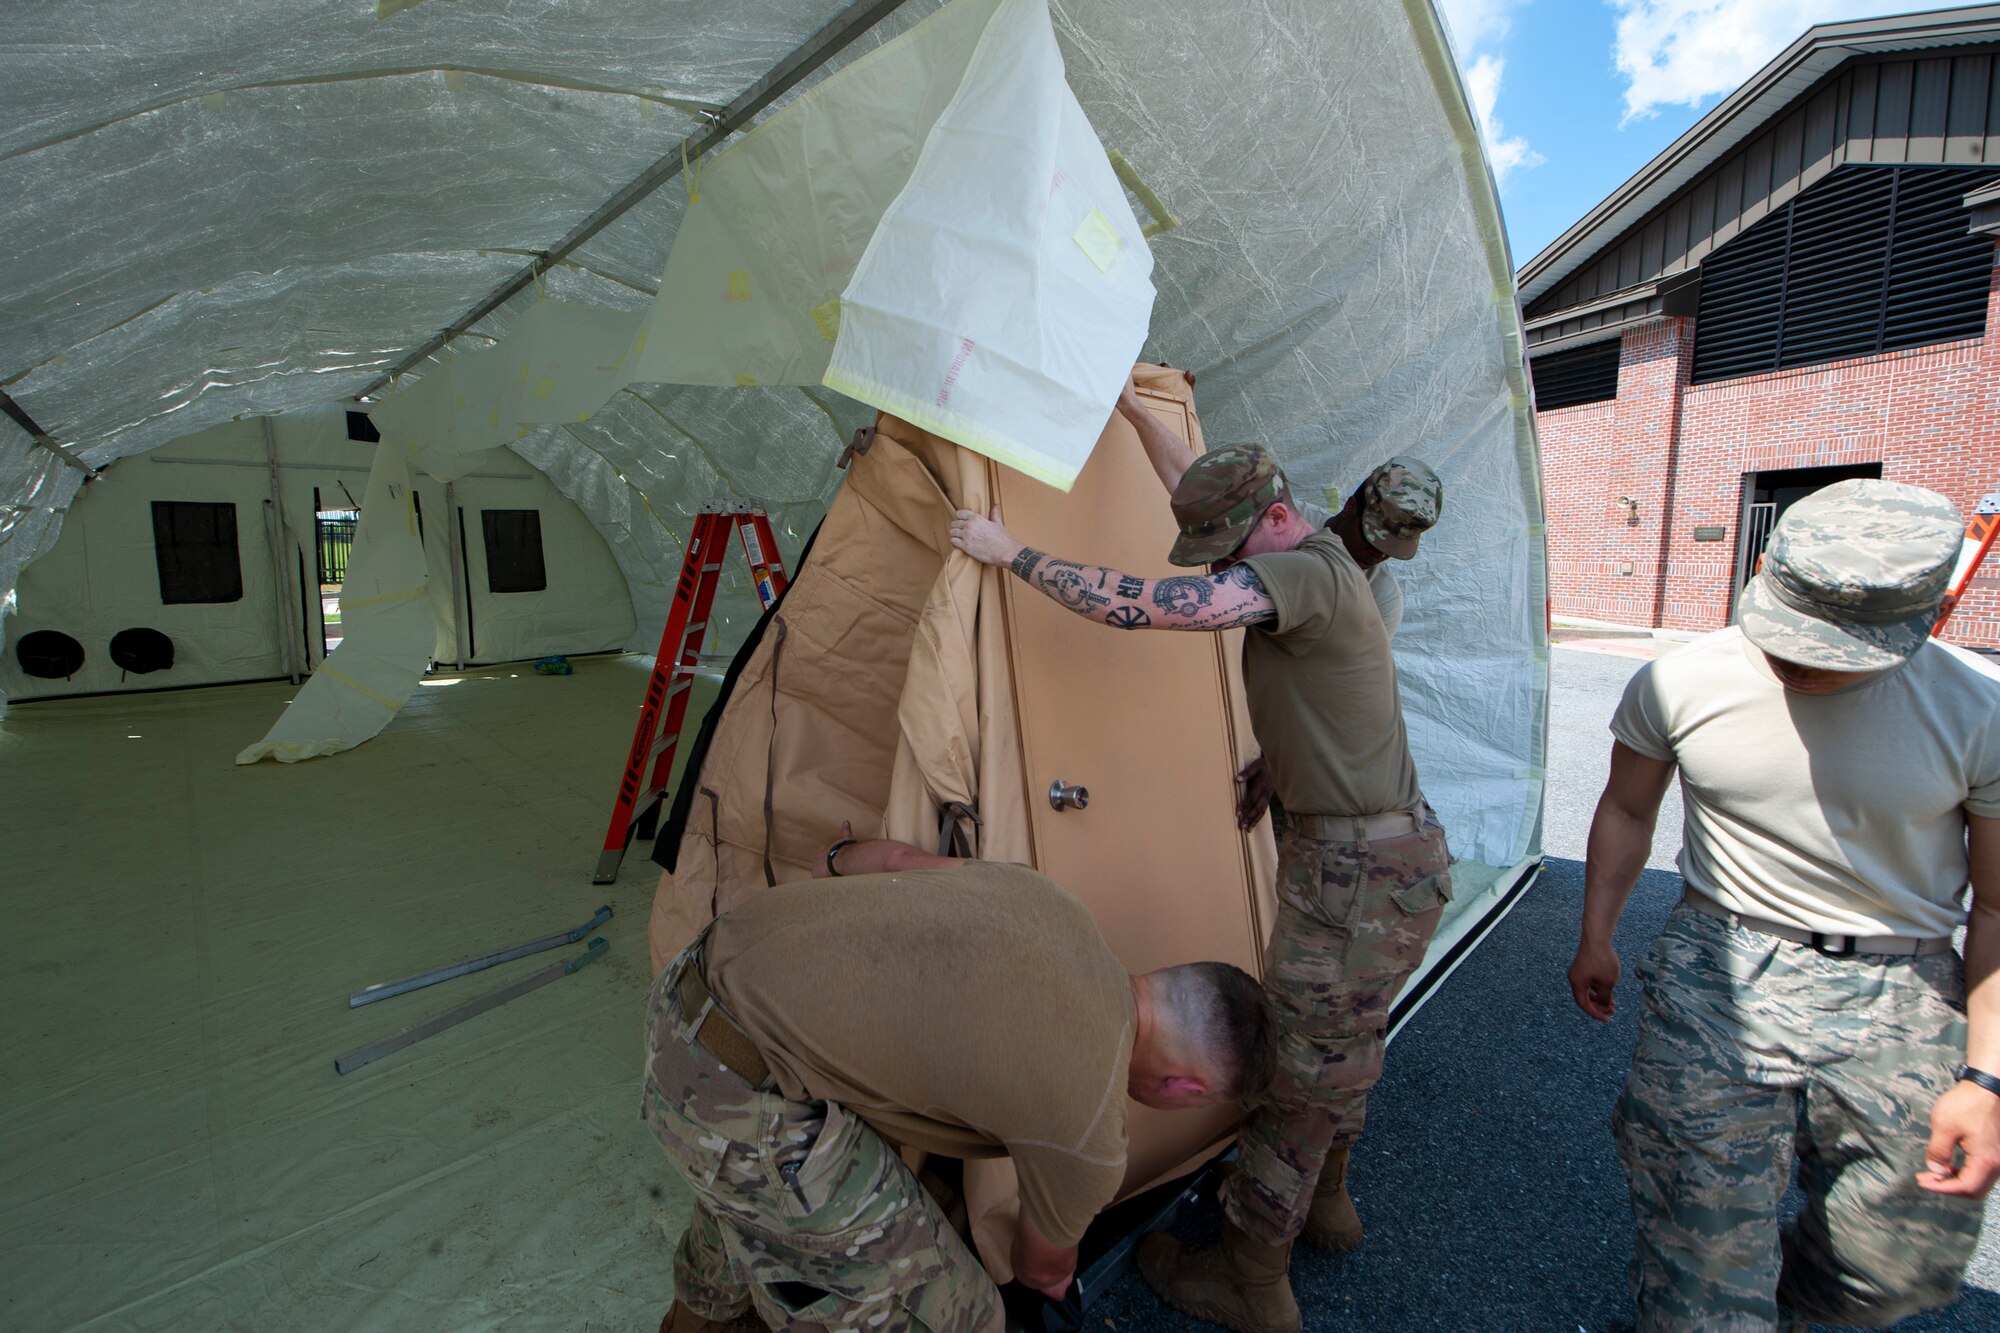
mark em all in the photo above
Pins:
pixel 787 74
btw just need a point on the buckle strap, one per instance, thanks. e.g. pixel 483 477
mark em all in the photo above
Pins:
pixel 1832 946
pixel 716 1031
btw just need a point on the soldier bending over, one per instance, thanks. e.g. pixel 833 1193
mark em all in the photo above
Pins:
pixel 963 1007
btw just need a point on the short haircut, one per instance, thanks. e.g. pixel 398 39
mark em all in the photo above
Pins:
pixel 1223 1022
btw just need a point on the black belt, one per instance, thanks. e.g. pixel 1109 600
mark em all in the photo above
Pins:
pixel 1833 946
pixel 716 1031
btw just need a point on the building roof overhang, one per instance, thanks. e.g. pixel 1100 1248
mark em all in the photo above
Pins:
pixel 1738 118
pixel 1984 205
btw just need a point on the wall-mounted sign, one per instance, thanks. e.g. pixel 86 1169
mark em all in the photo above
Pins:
pixel 1709 534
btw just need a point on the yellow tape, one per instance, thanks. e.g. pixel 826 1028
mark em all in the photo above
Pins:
pixel 544 388
pixel 1128 175
pixel 454 80
pixel 1099 240
pixel 746 381
pixel 739 285
pixel 351 683
pixel 999 448
pixel 826 318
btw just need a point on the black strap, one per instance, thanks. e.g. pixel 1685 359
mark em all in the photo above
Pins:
pixel 771 754
pixel 1979 1078
pixel 952 840
pixel 834 851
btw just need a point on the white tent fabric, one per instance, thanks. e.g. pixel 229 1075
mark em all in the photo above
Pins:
pixel 388 632
pixel 934 231
pixel 262 211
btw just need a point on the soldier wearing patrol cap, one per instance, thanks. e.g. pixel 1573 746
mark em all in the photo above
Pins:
pixel 1363 872
pixel 1841 776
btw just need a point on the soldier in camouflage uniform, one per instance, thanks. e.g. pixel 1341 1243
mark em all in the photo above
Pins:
pixel 1364 871
pixel 960 1007
pixel 1841 775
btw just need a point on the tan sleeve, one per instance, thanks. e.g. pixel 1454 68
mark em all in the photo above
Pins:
pixel 1062 1192
pixel 1304 590
pixel 1640 721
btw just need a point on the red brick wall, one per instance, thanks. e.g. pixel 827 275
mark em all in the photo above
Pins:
pixel 1930 416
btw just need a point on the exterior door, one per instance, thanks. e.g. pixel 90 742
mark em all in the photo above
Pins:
pixel 1146 722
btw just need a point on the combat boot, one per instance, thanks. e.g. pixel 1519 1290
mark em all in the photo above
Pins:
pixel 680 1319
pixel 1238 1284
pixel 1332 1224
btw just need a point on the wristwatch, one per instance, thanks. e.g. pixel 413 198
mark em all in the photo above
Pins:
pixel 1979 1078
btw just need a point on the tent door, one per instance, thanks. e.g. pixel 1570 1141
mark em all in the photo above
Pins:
pixel 1156 853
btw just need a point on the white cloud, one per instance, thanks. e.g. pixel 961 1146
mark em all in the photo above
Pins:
pixel 1482 81
pixel 1473 25
pixel 1682 52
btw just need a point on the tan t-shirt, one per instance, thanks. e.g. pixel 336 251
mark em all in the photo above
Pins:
pixel 1321 685
pixel 1842 813
pixel 1388 592
pixel 973 1011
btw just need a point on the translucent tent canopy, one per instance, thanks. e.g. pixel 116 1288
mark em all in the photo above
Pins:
pixel 258 210
pixel 265 209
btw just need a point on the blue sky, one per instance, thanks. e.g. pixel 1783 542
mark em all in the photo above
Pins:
pixel 1576 95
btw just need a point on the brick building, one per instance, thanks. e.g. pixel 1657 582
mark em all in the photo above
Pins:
pixel 1801 289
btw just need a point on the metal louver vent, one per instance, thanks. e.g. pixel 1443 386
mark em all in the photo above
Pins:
pixel 1868 260
pixel 1582 375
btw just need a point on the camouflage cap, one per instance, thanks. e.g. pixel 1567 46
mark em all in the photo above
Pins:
pixel 1853 576
pixel 1400 502
pixel 1219 498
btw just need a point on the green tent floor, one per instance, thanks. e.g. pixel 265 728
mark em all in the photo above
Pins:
pixel 178 937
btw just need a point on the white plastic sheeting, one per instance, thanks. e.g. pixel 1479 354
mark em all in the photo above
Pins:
pixel 1339 282
pixel 934 231
pixel 387 626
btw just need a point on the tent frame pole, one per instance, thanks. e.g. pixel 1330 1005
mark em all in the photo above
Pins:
pixel 817 50
pixel 461 584
pixel 43 438
pixel 290 633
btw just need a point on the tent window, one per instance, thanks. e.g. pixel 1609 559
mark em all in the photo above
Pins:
pixel 1585 375
pixel 514 550
pixel 1870 259
pixel 194 545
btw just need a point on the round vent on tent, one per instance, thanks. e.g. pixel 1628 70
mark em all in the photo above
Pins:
pixel 142 650
pixel 49 654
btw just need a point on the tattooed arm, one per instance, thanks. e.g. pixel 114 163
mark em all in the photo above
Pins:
pixel 1167 452
pixel 1124 601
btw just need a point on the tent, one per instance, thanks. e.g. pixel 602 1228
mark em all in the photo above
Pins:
pixel 261 216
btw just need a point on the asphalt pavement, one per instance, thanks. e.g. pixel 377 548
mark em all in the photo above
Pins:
pixel 1487 1178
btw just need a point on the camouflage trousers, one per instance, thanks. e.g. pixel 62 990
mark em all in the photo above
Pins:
pixel 801 1211
pixel 1754 1052
pixel 1354 919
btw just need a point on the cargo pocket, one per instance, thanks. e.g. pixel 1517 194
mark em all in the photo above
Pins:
pixel 1327 881
pixel 868 1247
pixel 822 1156
pixel 1428 894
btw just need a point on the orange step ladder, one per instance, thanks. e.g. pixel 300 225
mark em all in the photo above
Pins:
pixel 648 763
pixel 1979 535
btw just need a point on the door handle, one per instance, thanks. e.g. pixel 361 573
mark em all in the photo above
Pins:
pixel 1068 796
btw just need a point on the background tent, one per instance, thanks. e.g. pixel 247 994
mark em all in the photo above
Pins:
pixel 263 213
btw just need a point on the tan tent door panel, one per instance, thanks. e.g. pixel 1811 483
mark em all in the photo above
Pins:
pixel 1143 720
